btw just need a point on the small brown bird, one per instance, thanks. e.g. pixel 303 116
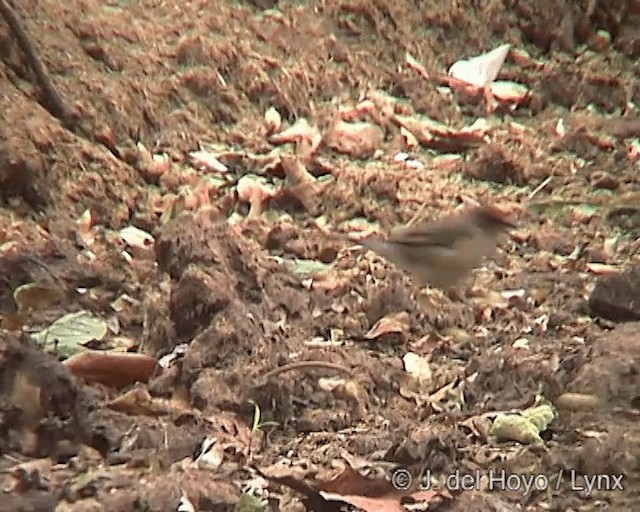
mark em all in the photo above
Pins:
pixel 442 253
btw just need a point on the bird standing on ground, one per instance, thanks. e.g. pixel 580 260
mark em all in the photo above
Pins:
pixel 442 253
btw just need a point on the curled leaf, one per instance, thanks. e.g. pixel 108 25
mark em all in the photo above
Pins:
pixel 140 241
pixel 273 119
pixel 34 296
pixel 417 366
pixel 255 191
pixel 393 323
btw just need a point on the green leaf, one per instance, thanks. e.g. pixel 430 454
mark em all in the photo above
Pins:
pixel 248 503
pixel 299 266
pixel 70 332
pixel 309 266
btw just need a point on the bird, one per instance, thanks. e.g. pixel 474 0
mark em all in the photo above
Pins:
pixel 443 252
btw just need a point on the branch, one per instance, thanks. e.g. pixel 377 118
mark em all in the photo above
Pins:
pixel 51 99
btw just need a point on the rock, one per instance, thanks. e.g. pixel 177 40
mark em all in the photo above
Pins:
pixel 616 297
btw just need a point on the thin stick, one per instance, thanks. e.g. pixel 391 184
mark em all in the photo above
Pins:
pixel 417 215
pixel 539 188
pixel 51 98
pixel 304 364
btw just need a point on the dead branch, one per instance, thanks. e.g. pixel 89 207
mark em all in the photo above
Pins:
pixel 52 101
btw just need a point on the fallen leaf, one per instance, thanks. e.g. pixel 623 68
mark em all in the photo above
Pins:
pixel 273 119
pixel 526 426
pixel 358 139
pixel 521 343
pixel 307 137
pixel 300 266
pixel 393 323
pixel 113 369
pixel 207 161
pixel 256 191
pixel 509 92
pixel 352 113
pixel 295 170
pixel 371 494
pixel 577 402
pixel 139 241
pixel 435 135
pixel 69 333
pixel 135 402
pixel 417 366
pixel 84 223
pixel 451 396
pixel 481 70
pixel 34 296
pixel 602 269
pixel 152 166
pixel 416 66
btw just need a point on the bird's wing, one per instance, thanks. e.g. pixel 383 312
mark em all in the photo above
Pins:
pixel 446 233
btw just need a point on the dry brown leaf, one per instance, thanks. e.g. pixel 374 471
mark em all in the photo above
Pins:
pixel 329 282
pixel 416 66
pixel 393 323
pixel 436 135
pixel 295 170
pixel 359 139
pixel 366 504
pixel 602 269
pixel 152 166
pixel 255 191
pixel 136 401
pixel 353 113
pixel 510 92
pixel 306 137
pixel 577 402
pixel 84 223
pixel 369 494
pixel 113 369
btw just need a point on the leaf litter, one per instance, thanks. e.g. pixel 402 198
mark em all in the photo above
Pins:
pixel 308 123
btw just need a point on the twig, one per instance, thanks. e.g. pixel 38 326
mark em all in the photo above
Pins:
pixel 304 364
pixel 51 98
pixel 539 188
pixel 418 215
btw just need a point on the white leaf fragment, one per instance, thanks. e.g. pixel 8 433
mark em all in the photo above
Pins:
pixel 207 161
pixel 481 70
pixel 136 237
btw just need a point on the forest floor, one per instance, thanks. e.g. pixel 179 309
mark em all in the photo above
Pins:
pixel 193 211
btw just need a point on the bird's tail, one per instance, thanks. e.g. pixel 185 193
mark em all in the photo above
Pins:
pixel 378 245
